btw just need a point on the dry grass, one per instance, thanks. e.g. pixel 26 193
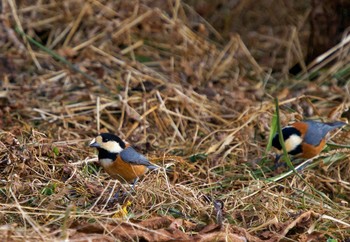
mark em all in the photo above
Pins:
pixel 157 76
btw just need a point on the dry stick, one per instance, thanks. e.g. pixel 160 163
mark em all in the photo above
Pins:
pixel 134 22
pixel 105 8
pixel 289 47
pixel 325 58
pixel 55 212
pixel 176 10
pixel 125 101
pixel 61 36
pixel 123 64
pixel 132 47
pixel 10 32
pixel 201 107
pixel 323 216
pixel 20 28
pixel 100 197
pixel 248 54
pixel 76 24
pixel 65 225
pixel 35 226
pixel 62 59
pixel 209 26
pixel 151 110
pixel 228 52
pixel 98 113
pixel 162 107
pixel 89 41
pixel 45 21
pixel 112 192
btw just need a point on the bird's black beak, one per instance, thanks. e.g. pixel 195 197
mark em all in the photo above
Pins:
pixel 93 143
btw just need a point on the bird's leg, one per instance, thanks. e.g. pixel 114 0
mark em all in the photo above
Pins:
pixel 134 183
pixel 116 195
pixel 119 196
pixel 284 164
pixel 276 164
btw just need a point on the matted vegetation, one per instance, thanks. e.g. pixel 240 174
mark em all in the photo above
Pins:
pixel 194 102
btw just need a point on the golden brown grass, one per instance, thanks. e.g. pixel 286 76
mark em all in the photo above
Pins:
pixel 200 108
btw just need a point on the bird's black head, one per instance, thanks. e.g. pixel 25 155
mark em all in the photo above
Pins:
pixel 108 142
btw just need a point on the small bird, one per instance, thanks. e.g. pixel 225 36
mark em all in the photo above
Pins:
pixel 305 139
pixel 119 159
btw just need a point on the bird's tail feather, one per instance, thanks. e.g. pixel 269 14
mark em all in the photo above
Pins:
pixel 336 124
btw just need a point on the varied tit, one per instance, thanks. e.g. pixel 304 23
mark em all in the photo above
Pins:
pixel 305 139
pixel 119 159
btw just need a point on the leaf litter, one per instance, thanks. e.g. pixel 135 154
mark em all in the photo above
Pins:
pixel 196 103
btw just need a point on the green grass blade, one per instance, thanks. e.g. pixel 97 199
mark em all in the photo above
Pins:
pixel 273 131
pixel 279 130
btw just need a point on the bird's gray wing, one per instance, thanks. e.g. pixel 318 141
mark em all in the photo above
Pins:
pixel 131 156
pixel 317 131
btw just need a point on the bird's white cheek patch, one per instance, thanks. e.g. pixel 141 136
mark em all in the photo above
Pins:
pixel 112 147
pixel 292 142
